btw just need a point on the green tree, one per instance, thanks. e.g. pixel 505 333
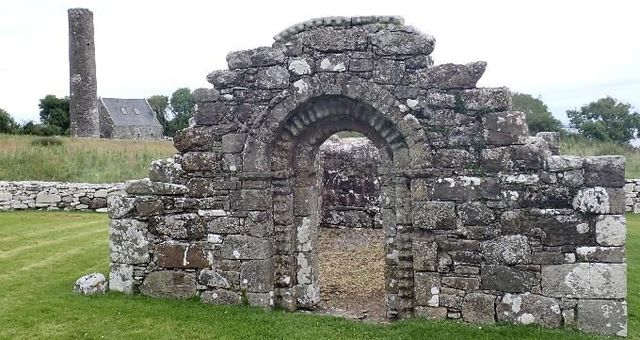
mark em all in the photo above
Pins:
pixel 539 118
pixel 182 106
pixel 31 128
pixel 160 104
pixel 7 123
pixel 606 119
pixel 54 111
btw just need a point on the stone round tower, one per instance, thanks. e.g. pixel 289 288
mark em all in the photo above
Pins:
pixel 83 108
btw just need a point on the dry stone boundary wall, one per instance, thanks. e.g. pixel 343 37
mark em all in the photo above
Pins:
pixel 23 195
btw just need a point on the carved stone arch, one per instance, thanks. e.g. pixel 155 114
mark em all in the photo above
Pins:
pixel 373 96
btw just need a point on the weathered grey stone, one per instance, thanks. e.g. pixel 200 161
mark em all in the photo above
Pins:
pixel 233 142
pixel 403 43
pixel 478 308
pixel 165 170
pixel 212 278
pixel 512 249
pixel 505 128
pixel 452 75
pixel 434 215
pixel 564 163
pixel 180 226
pixel 274 77
pixel 475 213
pixel 529 309
pixel 460 282
pixel 606 171
pixel 221 79
pixel 592 200
pixel 241 247
pixel 585 280
pixel 333 63
pixel 388 71
pixel 91 284
pixel 169 283
pixel 146 187
pixel 264 300
pixel 605 317
pixel 427 288
pixel 487 99
pixel 507 279
pixel 600 254
pixel 221 296
pixel 431 313
pixel 299 66
pixel 128 242
pixel 611 230
pixel 121 278
pixel 257 57
pixel 120 206
pixel 257 276
pixel 331 40
pixel 425 255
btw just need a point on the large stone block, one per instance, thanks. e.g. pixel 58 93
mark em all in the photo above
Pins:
pixel 478 308
pixel 606 171
pixel 165 170
pixel 146 187
pixel 201 138
pixel 427 288
pixel 600 254
pixel 434 215
pixel 173 254
pixel 487 99
pixel 233 142
pixel 257 57
pixel 475 213
pixel 564 163
pixel 611 230
pixel 529 309
pixel 221 297
pixel 327 39
pixel 213 278
pixel 511 249
pixel 505 128
pixel 408 43
pixel 242 247
pixel 604 317
pixel 128 241
pixel 599 200
pixel 119 205
pixel 425 255
pixel 121 278
pixel 388 71
pixel 181 226
pixel 507 279
pixel 257 276
pixel 202 161
pixel 585 280
pixel 273 77
pixel 450 76
pixel 169 284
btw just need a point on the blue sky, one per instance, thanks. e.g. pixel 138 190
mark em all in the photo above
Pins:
pixel 567 52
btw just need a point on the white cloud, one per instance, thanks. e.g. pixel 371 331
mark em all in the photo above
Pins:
pixel 569 52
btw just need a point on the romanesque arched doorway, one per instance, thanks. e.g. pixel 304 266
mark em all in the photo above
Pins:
pixel 296 225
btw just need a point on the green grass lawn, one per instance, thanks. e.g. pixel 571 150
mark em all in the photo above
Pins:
pixel 43 253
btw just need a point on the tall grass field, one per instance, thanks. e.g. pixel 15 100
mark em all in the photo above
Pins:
pixel 107 160
pixel 78 160
pixel 43 253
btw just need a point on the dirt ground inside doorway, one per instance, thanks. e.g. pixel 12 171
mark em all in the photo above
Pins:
pixel 351 273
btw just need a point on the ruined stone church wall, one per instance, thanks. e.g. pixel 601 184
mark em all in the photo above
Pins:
pixel 350 183
pixel 482 222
